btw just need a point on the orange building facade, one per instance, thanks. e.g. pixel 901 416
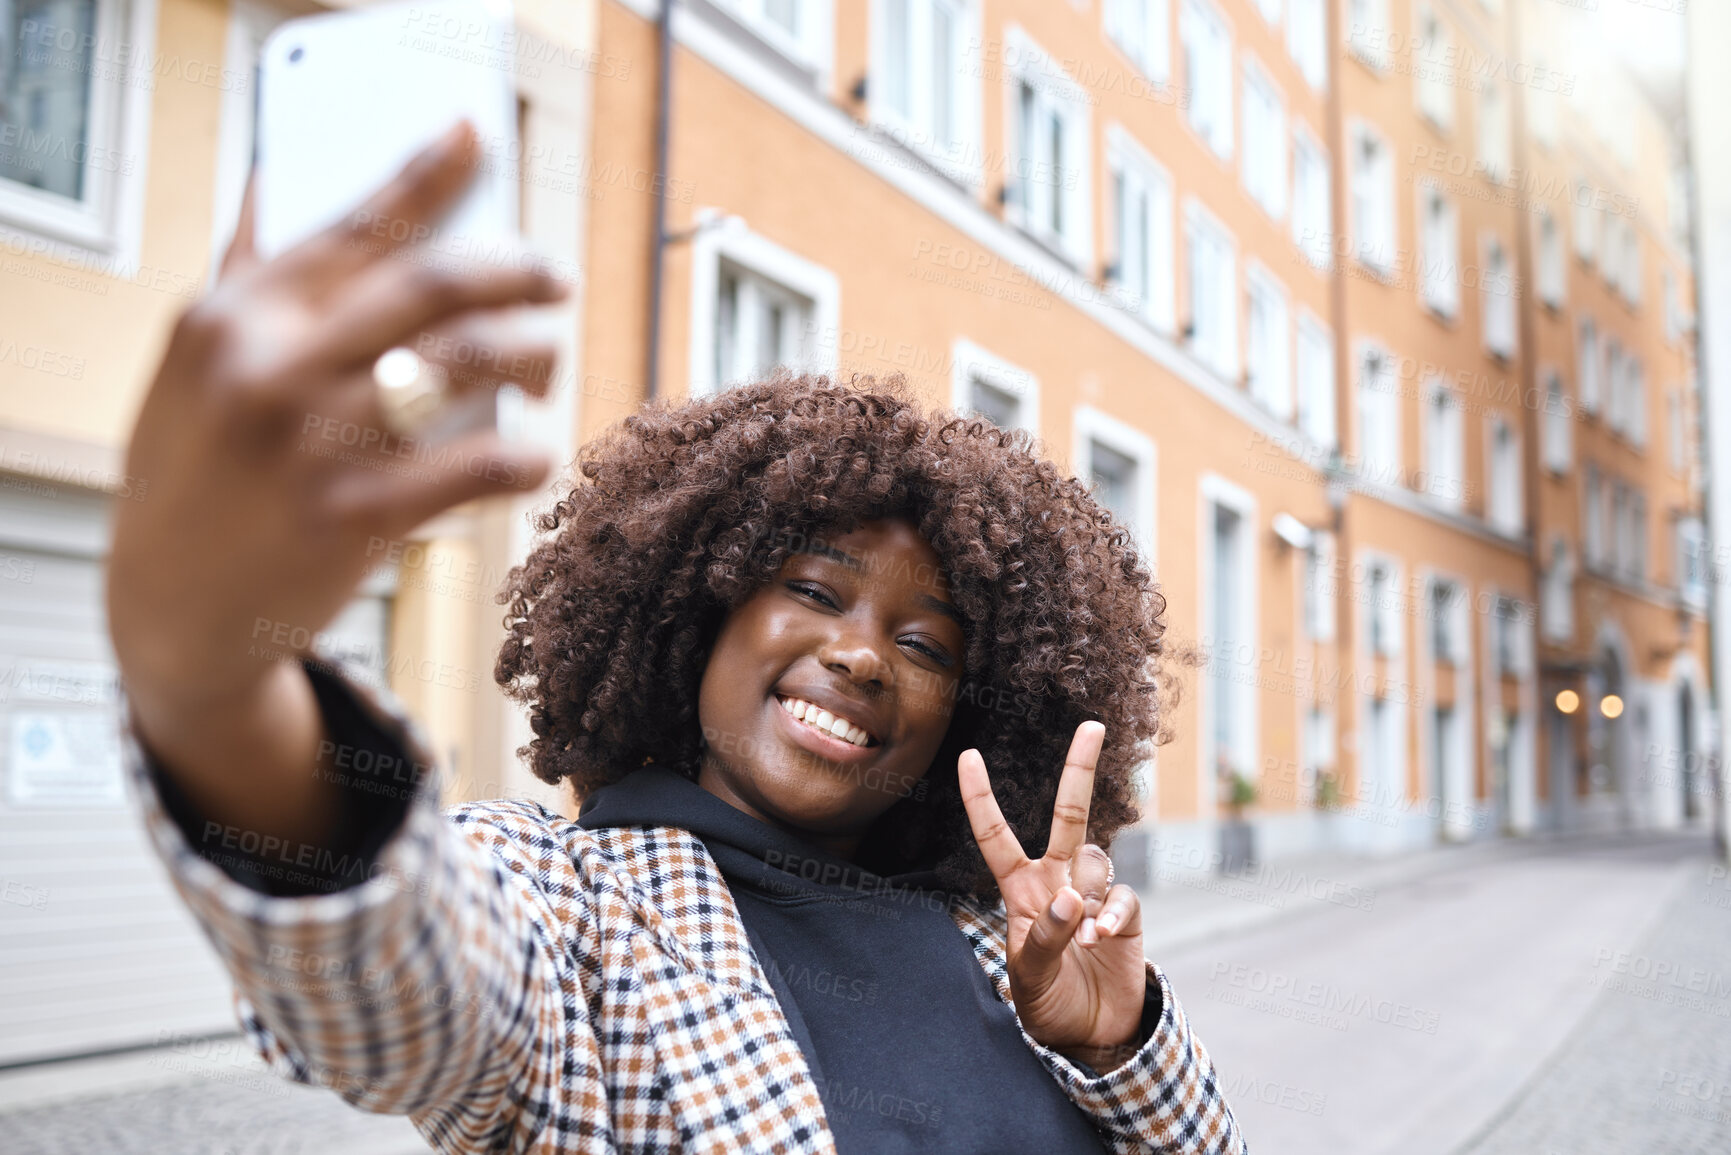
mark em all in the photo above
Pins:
pixel 1301 287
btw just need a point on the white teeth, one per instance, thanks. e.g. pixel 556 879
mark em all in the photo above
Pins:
pixel 822 719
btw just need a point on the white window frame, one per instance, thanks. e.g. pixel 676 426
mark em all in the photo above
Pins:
pixel 1375 231
pixel 1676 421
pixel 1321 593
pixel 1552 262
pixel 1439 268
pixel 1505 510
pixel 1635 373
pixel 1091 425
pixel 1497 289
pixel 970 362
pixel 1444 444
pixel 1691 561
pixel 1557 603
pixel 1125 156
pixel 1433 90
pixel 1055 93
pixel 1384 617
pixel 1542 105
pixel 1558 424
pixel 961 159
pixel 1215 491
pixel 1364 27
pixel 1265 164
pixel 1493 130
pixel 1589 366
pixel 1314 379
pixel 1307 40
pixel 1593 543
pixel 1586 222
pixel 1616 389
pixel 104 229
pixel 1210 115
pixel 811 49
pixel 1268 368
pixel 1312 197
pixel 1219 351
pixel 1151 53
pixel 763 258
pixel 1377 414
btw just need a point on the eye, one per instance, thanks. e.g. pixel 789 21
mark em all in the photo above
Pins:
pixel 936 654
pixel 813 591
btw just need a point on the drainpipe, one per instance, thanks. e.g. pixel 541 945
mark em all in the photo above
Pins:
pixel 658 225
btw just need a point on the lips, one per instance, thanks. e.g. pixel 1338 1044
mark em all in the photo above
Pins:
pixel 837 726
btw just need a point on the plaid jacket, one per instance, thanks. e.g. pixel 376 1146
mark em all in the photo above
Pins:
pixel 515 983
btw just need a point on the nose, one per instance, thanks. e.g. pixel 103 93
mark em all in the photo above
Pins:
pixel 856 659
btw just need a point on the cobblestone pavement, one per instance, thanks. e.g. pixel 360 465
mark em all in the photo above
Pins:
pixel 1403 1021
pixel 1649 1070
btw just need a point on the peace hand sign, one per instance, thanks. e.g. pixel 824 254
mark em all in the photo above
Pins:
pixel 1077 974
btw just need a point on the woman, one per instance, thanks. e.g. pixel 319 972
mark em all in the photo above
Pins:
pixel 774 640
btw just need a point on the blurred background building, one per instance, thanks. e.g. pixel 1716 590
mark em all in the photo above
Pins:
pixel 1373 319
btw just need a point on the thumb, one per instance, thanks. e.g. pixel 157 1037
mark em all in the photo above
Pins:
pixel 1037 964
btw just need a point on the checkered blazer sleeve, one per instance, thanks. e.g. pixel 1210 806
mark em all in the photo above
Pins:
pixel 443 986
pixel 1164 1100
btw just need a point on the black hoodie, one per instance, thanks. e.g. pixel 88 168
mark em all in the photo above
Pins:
pixel 911 1049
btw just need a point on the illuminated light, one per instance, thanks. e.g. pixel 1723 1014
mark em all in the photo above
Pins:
pixel 1568 701
pixel 1611 706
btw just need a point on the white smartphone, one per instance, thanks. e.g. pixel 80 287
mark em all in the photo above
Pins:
pixel 347 98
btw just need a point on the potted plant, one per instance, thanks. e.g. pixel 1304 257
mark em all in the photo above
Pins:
pixel 1237 835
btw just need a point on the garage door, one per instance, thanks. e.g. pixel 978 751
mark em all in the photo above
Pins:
pixel 96 951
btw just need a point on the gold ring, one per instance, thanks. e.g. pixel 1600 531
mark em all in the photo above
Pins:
pixel 410 390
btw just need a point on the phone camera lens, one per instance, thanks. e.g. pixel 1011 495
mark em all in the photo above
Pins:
pixel 295 54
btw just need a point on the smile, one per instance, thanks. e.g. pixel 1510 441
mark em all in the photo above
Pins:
pixel 826 723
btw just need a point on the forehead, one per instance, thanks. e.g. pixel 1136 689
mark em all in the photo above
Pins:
pixel 889 554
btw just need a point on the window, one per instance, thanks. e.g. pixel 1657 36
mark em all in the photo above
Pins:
pixel 1213 292
pixel 1593 518
pixel 1588 369
pixel 1611 252
pixel 1498 298
pixel 1439 252
pixel 1445 446
pixel 1432 78
pixel 1636 408
pixel 1637 535
pixel 1312 210
pixel 1675 323
pixel 1378 417
pixel 754 306
pixel 1264 141
pixel 1307 40
pixel 1142 29
pixel 920 79
pixel 1542 104
pixel 1141 229
pixel 1318 752
pixel 1444 597
pixel 1586 222
pixel 1230 633
pixel 1618 561
pixel 1616 391
pixel 1269 354
pixel 1557 610
pixel 1006 395
pixel 1505 512
pixel 1315 363
pixel 1382 608
pixel 1493 131
pixel 1550 262
pixel 1270 10
pixel 1674 425
pixel 1373 225
pixel 67 114
pixel 1508 636
pixel 1367 31
pixel 1320 592
pixel 1631 263
pixel 1558 434
pixel 799 29
pixel 1692 561
pixel 1050 142
pixel 1208 73
pixel 1119 462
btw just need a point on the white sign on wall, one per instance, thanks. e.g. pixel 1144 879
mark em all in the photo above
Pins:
pixel 64 758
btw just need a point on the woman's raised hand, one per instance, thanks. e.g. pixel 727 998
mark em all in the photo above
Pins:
pixel 1077 973
pixel 274 476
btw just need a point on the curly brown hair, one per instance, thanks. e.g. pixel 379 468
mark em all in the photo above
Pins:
pixel 683 510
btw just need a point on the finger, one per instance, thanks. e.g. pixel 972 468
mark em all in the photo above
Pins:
pixel 997 842
pixel 1042 955
pixel 390 303
pixel 1121 915
pixel 1091 875
pixel 241 256
pixel 513 346
pixel 400 495
pixel 403 210
pixel 1075 790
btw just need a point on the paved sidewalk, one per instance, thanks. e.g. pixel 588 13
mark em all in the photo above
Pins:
pixel 1649 1070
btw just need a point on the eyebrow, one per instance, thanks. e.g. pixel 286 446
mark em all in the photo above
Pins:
pixel 938 605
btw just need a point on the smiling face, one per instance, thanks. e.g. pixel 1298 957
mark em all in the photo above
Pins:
pixel 829 690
